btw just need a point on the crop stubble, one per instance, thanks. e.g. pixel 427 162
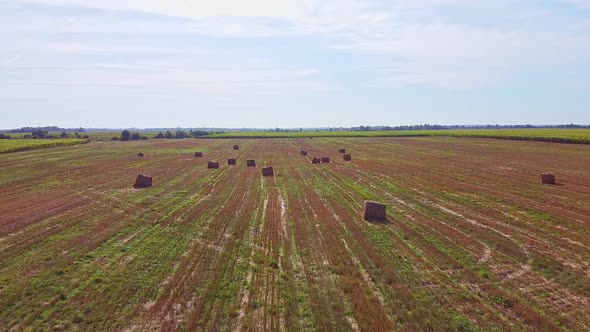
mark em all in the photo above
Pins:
pixel 472 239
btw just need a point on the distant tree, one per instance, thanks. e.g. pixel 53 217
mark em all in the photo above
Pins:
pixel 160 135
pixel 39 133
pixel 180 134
pixel 168 134
pixel 63 135
pixel 2 136
pixel 86 137
pixel 135 136
pixel 365 128
pixel 125 135
pixel 198 133
pixel 77 135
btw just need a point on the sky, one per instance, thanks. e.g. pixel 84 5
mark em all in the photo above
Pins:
pixel 293 63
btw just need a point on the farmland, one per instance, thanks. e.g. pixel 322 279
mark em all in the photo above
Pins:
pixel 473 241
pixel 579 136
pixel 13 145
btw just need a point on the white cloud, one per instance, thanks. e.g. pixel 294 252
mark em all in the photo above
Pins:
pixel 196 9
pixel 184 70
pixel 408 42
pixel 585 4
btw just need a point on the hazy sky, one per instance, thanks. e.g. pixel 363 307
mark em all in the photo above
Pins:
pixel 293 63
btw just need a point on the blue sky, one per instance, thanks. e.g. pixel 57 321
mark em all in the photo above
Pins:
pixel 293 63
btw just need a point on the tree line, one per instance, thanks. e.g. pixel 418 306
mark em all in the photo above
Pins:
pixel 24 130
pixel 44 134
pixel 126 135
pixel 181 134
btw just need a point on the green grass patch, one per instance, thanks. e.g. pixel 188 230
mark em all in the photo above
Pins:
pixel 579 136
pixel 569 278
pixel 14 145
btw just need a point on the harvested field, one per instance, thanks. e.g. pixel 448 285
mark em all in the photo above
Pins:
pixel 473 240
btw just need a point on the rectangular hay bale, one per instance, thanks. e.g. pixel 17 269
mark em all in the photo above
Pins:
pixel 375 211
pixel 268 171
pixel 143 181
pixel 548 178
